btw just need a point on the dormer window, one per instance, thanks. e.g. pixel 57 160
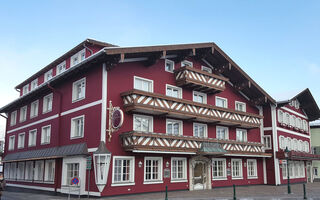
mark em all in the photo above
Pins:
pixel 78 57
pixel 48 75
pixel 169 65
pixel 206 69
pixel 34 84
pixel 25 89
pixel 61 67
pixel 186 63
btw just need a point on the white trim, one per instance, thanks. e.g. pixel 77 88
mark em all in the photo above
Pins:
pixel 240 169
pixel 24 141
pixel 179 181
pixel 186 63
pixel 41 140
pixel 275 143
pixel 180 122
pixel 163 152
pixel 35 142
pixel 245 131
pixel 221 98
pixel 165 64
pixel 152 182
pixel 264 171
pixel 132 171
pixel 160 170
pixel 15 118
pixel 34 123
pixel 81 107
pixel 37 113
pixel 180 96
pixel 206 69
pixel 199 94
pixel 121 184
pixel 104 103
pixel 26 114
pixel 255 169
pixel 143 79
pixel 74 85
pixel 134 59
pixel 43 106
pixel 225 177
pixel 267 129
pixel 143 116
pixel 227 132
pixel 293 132
pixel 92 149
pixel 294 112
pixel 72 127
pixel 205 131
pixel 265 145
pixel 248 155
pixel 242 103
pixel 31 187
pixel 185 170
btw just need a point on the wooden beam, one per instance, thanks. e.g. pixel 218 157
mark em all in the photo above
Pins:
pixel 182 55
pixel 242 85
pixel 222 68
pixel 259 101
pixel 152 59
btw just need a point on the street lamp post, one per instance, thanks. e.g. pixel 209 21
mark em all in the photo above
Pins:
pixel 286 154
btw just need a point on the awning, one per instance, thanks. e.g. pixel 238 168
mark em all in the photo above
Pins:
pixel 47 153
pixel 209 148
pixel 293 155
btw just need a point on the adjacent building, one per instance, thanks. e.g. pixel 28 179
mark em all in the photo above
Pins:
pixel 193 119
pixel 315 145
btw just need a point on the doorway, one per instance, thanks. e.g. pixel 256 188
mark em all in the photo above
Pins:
pixel 200 178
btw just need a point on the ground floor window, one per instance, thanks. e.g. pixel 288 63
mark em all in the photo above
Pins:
pixel 72 171
pixel 13 170
pixel 38 170
pixel 29 171
pixel 284 170
pixel 252 168
pixel 315 171
pixel 20 172
pixel 152 169
pixel 219 168
pixel 123 169
pixel 49 171
pixel 236 166
pixel 296 169
pixel 7 170
pixel 178 169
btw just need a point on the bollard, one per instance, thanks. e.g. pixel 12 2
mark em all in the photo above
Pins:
pixel 234 192
pixel 166 193
pixel 304 191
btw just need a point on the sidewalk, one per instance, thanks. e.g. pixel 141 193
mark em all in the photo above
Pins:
pixel 260 192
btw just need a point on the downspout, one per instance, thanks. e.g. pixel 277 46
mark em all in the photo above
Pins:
pixel 59 138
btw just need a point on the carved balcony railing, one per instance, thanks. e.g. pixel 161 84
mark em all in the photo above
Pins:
pixel 158 104
pixel 160 143
pixel 201 80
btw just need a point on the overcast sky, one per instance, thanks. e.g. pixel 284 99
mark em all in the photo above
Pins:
pixel 276 42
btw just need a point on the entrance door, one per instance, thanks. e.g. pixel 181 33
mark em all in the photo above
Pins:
pixel 199 175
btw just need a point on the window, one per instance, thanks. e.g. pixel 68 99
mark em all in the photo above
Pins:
pixel 200 130
pixel 32 138
pixel 49 171
pixel 300 144
pixel 287 119
pixel 29 171
pixel 79 90
pixel 174 127
pixel 295 144
pixel 305 125
pixel 280 116
pixel 77 127
pixel 206 69
pixel 38 170
pixel 152 169
pixel 13 170
pixel 61 67
pixel 7 170
pixel 298 123
pixel 236 166
pixel 21 139
pixel 13 118
pixel 289 145
pixel 173 91
pixel 302 172
pixel 45 134
pixel 48 75
pixel 252 168
pixel 240 106
pixel 11 142
pixel 20 172
pixel 23 114
pixel 199 97
pixel 78 57
pixel 267 141
pixel 169 65
pixel 221 102
pixel 186 63
pixel 306 146
pixel 142 123
pixel 222 133
pixel 34 109
pixel 25 89
pixel 34 84
pixel 219 168
pixel 178 169
pixel 297 104
pixel 47 103
pixel 102 166
pixel 72 171
pixel 123 169
pixel 241 135
pixel 143 84
pixel 284 169
pixel 292 121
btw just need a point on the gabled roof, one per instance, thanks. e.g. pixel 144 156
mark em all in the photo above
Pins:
pixel 307 103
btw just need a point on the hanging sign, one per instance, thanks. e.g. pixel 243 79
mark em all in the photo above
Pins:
pixel 117 118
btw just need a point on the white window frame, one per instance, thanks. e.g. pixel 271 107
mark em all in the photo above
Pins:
pixel 255 169
pixel 72 127
pixel 21 142
pixel 206 69
pixel 25 89
pixel 240 169
pixel 34 84
pixel 160 170
pixel 245 135
pixel 46 75
pixel 11 142
pixel 205 129
pixel 186 63
pixel 30 142
pixel 20 170
pixel 142 79
pixel 28 175
pixel 224 176
pixel 78 55
pixel 265 138
pixel 300 145
pixel 46 172
pixel 239 103
pixel 75 97
pixel 23 115
pixel 179 89
pixel 58 71
pixel 284 170
pixel 46 109
pixel 227 132
pixel 171 63
pixel 13 171
pixel 174 121
pixel 13 118
pixel 184 172
pixel 287 118
pixel 131 180
pixel 38 175
pixel 34 111
pixel 306 146
pixel 150 118
pixel 221 98
pixel 281 118
pixel 43 142
pixel 196 93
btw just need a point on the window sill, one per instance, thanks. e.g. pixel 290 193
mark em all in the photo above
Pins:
pixel 38 181
pixel 45 112
pixel 77 137
pixel 179 181
pixel 31 117
pixel 253 177
pixel 22 121
pixel 46 143
pixel 237 178
pixel 76 100
pixel 20 147
pixel 121 184
pixel 152 182
pixel 32 145
pixel 48 182
pixel 169 71
pixel 220 179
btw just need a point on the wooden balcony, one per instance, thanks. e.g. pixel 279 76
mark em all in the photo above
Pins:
pixel 158 104
pixel 199 80
pixel 162 143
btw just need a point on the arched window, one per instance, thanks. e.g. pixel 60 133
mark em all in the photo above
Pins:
pixel 298 123
pixel 306 148
pixel 289 143
pixel 295 145
pixel 280 116
pixel 292 121
pixel 287 119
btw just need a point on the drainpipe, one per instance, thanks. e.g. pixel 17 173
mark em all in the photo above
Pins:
pixel 59 138
pixel 91 52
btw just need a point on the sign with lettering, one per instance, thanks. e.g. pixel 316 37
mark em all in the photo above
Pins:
pixel 117 118
pixel 166 173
